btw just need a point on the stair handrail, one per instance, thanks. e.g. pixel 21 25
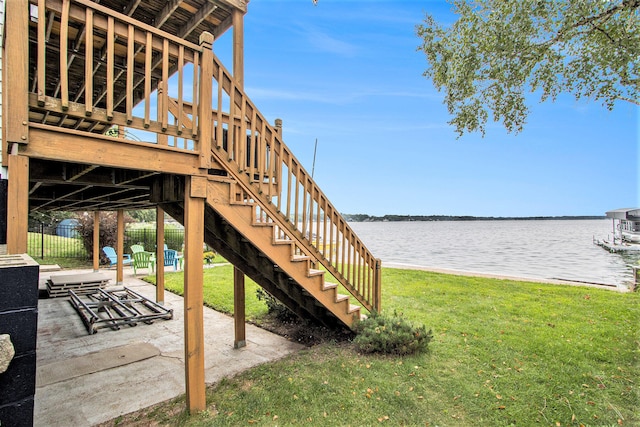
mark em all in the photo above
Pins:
pixel 262 163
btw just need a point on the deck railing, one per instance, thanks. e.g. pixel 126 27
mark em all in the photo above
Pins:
pixel 117 70
pixel 102 68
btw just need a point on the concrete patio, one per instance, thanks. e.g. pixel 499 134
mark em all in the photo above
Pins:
pixel 87 379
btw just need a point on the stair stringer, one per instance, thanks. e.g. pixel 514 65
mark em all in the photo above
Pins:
pixel 241 217
pixel 229 243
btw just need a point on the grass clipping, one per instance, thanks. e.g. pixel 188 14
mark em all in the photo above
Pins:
pixel 395 335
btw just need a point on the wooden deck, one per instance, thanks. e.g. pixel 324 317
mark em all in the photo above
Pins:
pixel 124 105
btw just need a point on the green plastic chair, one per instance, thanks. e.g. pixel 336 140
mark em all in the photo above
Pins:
pixel 137 248
pixel 142 260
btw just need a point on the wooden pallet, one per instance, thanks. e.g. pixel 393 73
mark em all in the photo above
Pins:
pixel 60 285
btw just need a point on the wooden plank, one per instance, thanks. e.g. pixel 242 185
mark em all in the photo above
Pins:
pixel 180 88
pixel 199 186
pixel 96 240
pixel 205 100
pixel 130 72
pixel 194 113
pixel 159 255
pixel 64 54
pixel 219 130
pixel 120 247
pixel 147 79
pixel 180 112
pixel 88 65
pixel 193 301
pixel 238 47
pixel 17 204
pixel 161 138
pixel 165 85
pixel 242 140
pixel 251 156
pixel 77 279
pixel 110 65
pixel 42 47
pixel 16 72
pixel 74 146
pixel 239 309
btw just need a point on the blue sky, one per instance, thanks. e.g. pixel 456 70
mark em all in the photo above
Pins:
pixel 348 74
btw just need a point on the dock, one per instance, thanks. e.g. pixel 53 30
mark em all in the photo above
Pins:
pixel 615 247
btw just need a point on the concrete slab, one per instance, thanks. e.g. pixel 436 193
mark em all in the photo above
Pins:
pixel 112 389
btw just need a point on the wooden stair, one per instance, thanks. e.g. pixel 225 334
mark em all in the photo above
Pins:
pixel 273 260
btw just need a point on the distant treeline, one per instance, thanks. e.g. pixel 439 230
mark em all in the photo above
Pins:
pixel 371 218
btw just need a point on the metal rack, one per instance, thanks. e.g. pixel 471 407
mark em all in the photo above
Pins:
pixel 115 308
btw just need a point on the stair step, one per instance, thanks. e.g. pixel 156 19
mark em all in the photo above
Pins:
pixel 299 258
pixel 341 297
pixel 264 223
pixel 353 308
pixel 328 286
pixel 282 242
pixel 313 272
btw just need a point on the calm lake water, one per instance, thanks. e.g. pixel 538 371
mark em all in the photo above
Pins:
pixel 538 249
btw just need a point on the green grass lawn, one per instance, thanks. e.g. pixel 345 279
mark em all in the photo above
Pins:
pixel 218 290
pixel 504 353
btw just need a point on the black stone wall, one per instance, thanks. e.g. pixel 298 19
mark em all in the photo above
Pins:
pixel 19 318
pixel 4 185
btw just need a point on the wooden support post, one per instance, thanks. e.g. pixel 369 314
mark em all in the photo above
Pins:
pixel 238 47
pixel 159 255
pixel 194 198
pixel 120 247
pixel 96 240
pixel 16 74
pixel 377 283
pixel 205 107
pixel 162 138
pixel 238 75
pixel 239 309
pixel 18 204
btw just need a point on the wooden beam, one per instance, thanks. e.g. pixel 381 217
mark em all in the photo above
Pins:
pixel 17 204
pixel 16 71
pixel 96 240
pixel 196 19
pixel 42 46
pixel 239 310
pixel 238 276
pixel 131 7
pixel 193 300
pixel 205 100
pixel 166 12
pixel 159 255
pixel 88 65
pixel 238 47
pixel 120 247
pixel 68 145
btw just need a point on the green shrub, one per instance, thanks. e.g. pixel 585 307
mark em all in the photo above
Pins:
pixel 108 230
pixel 386 334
